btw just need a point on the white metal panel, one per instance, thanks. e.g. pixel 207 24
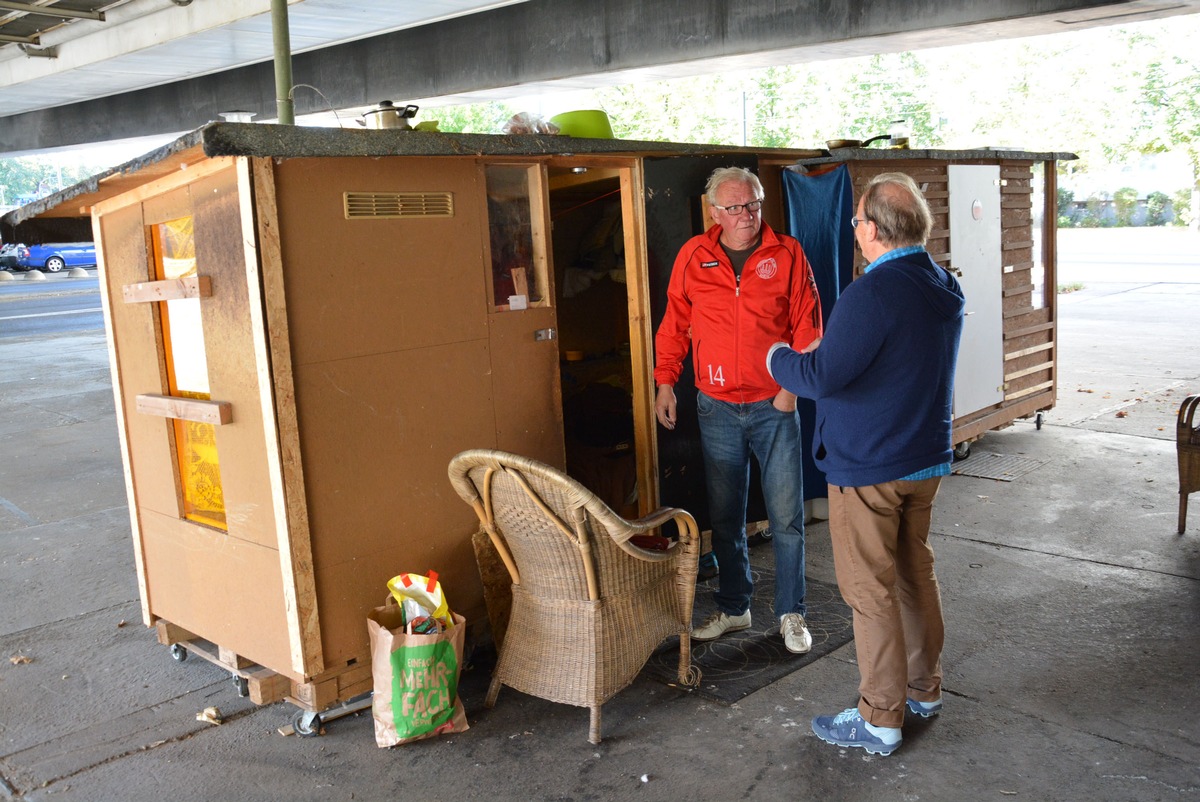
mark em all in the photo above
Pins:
pixel 975 253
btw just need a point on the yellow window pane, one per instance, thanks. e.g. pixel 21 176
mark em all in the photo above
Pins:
pixel 187 375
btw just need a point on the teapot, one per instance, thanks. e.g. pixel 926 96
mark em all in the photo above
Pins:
pixel 388 115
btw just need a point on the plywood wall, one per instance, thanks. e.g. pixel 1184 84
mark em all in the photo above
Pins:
pixel 224 586
pixel 387 322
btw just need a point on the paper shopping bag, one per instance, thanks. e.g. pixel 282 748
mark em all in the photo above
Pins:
pixel 415 679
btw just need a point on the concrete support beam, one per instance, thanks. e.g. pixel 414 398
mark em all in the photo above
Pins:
pixel 567 43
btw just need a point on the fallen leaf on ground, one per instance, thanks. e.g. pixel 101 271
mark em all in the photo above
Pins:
pixel 210 714
pixel 1084 390
pixel 20 659
pixel 1122 413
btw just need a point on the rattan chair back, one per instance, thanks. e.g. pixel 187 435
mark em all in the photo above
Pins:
pixel 589 607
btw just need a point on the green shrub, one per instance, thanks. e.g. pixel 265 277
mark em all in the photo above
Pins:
pixel 1093 211
pixel 1124 205
pixel 1181 204
pixel 1156 208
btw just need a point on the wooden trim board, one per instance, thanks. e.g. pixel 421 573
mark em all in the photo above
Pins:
pixel 256 186
pixel 217 413
pixel 169 290
pixel 641 336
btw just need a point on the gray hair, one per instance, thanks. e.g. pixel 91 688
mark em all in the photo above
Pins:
pixel 894 203
pixel 723 175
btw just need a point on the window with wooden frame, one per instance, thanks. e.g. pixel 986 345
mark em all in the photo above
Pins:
pixel 516 208
pixel 174 254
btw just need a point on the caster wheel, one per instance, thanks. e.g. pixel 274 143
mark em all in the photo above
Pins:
pixel 178 652
pixel 962 451
pixel 306 724
pixel 242 685
pixel 1037 421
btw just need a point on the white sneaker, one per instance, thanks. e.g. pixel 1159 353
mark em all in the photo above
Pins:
pixel 796 636
pixel 719 623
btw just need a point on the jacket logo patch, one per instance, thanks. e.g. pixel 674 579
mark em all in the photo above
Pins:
pixel 707 265
pixel 767 268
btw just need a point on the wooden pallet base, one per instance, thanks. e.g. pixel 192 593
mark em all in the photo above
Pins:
pixel 265 686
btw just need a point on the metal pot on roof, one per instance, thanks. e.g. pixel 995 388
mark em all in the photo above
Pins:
pixel 388 115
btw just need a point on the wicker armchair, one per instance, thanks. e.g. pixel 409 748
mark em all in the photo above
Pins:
pixel 589 607
pixel 1187 444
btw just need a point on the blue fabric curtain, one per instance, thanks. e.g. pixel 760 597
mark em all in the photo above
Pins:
pixel 819 209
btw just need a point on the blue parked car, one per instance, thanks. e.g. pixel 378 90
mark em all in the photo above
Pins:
pixel 55 256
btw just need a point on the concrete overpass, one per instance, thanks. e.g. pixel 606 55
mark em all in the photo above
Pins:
pixel 192 69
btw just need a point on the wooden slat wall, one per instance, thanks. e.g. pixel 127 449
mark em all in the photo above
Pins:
pixel 1029 331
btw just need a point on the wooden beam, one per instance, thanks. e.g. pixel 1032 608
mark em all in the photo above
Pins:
pixel 1032 350
pixel 268 307
pixel 198 410
pixel 170 290
pixel 169 633
pixel 641 336
pixel 970 430
pixel 1028 390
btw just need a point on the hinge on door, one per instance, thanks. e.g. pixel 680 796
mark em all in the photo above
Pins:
pixel 544 334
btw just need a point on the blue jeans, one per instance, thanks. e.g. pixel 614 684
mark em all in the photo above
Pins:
pixel 729 434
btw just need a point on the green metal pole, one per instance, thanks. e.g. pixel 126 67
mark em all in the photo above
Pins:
pixel 283 63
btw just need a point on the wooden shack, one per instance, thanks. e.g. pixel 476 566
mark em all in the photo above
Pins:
pixel 305 325
pixel 984 232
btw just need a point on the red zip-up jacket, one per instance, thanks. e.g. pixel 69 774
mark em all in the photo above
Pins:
pixel 730 323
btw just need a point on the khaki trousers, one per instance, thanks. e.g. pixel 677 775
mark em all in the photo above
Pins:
pixel 884 567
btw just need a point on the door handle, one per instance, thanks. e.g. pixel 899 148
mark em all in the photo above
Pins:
pixel 545 334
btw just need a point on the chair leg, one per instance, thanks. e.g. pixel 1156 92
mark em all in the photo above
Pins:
pixel 493 691
pixel 685 658
pixel 594 729
pixel 1183 499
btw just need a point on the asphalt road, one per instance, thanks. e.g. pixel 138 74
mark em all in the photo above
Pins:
pixel 1071 617
pixel 59 305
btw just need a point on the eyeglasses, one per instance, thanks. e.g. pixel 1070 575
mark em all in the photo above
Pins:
pixel 854 221
pixel 736 208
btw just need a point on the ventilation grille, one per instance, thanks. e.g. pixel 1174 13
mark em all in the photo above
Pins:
pixel 374 205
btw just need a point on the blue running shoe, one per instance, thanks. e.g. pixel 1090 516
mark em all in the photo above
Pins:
pixel 849 729
pixel 925 709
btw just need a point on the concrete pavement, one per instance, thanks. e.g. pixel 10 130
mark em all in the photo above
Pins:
pixel 1072 614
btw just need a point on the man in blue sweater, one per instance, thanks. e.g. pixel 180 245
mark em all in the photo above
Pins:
pixel 883 381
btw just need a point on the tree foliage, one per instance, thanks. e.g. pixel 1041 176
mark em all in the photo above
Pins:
pixel 31 177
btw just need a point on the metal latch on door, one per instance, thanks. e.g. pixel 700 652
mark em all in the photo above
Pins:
pixel 545 334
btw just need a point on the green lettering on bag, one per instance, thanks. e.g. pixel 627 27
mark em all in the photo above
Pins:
pixel 424 687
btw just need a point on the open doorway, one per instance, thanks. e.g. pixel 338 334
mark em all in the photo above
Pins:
pixel 589 208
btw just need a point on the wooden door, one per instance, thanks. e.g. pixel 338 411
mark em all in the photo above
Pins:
pixel 522 319
pixel 975 245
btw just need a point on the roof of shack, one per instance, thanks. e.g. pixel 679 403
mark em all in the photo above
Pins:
pixel 289 142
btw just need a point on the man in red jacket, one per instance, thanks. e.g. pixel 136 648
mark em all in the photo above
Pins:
pixel 734 291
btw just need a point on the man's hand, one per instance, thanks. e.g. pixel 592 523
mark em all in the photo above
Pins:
pixel 664 405
pixel 812 346
pixel 784 401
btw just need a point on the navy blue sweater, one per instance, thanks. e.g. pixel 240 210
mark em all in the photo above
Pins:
pixel 883 377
